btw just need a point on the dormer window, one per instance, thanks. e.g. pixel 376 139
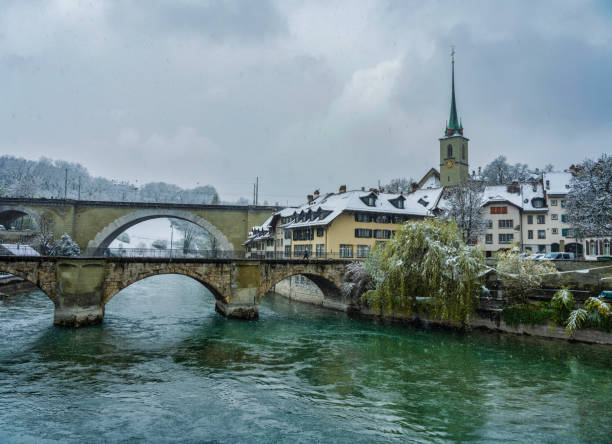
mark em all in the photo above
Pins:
pixel 369 200
pixel 398 202
pixel 537 202
pixel 423 202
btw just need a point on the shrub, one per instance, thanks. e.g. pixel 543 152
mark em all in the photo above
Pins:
pixel 527 315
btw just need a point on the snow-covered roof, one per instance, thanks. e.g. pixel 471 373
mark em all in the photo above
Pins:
pixel 20 250
pixel 558 183
pixel 325 208
pixel 493 194
pixel 531 193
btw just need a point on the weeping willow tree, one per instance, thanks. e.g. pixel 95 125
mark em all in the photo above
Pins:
pixel 426 266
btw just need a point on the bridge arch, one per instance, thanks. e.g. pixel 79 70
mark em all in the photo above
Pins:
pixel 103 239
pixel 10 213
pixel 329 281
pixel 48 288
pixel 113 290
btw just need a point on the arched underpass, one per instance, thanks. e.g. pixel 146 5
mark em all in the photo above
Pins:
pixel 104 237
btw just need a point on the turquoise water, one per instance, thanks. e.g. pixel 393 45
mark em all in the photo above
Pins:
pixel 165 367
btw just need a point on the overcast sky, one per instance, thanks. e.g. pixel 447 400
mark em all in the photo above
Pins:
pixel 303 94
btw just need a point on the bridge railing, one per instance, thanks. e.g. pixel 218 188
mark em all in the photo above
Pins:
pixel 210 254
pixel 179 253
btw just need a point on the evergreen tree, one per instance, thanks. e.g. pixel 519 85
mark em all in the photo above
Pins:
pixel 66 247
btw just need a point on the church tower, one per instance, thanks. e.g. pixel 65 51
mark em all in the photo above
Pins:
pixel 454 167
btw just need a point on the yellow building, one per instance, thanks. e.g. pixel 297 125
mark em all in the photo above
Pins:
pixel 347 224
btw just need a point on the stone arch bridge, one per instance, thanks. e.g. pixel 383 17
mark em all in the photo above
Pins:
pixel 81 287
pixel 94 224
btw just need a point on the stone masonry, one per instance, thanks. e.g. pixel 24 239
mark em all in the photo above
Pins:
pixel 80 287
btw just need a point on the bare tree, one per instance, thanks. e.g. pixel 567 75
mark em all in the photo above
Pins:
pixel 45 239
pixel 464 203
pixel 400 185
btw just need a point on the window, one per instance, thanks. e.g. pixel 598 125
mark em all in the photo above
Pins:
pixel 530 220
pixel 489 223
pixel 529 234
pixel 363 232
pixel 382 234
pixel 287 234
pixel 463 152
pixel 555 231
pixel 564 232
pixel 346 250
pixel 537 202
pixel 606 247
pixel 398 202
pixel 363 250
pixel 382 219
pixel 270 243
pixel 541 234
pixel 287 250
pixel 369 200
pixel 320 250
pixel 553 217
pixel 363 217
pixel 488 239
pixel 300 250
pixel 319 232
pixel 506 238
pixel 303 234
pixel 505 223
pixel 553 202
pixel 499 210
pixel 449 151
pixel 541 219
pixel 562 203
pixel 564 218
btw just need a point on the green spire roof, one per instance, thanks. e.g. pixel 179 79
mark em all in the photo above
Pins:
pixel 454 125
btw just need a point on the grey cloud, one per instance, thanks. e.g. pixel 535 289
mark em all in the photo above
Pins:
pixel 302 94
pixel 217 20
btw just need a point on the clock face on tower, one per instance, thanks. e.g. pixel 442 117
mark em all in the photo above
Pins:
pixel 450 163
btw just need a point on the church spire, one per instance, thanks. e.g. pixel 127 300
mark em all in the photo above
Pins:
pixel 454 125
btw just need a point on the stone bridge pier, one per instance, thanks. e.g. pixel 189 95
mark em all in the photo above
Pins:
pixel 80 288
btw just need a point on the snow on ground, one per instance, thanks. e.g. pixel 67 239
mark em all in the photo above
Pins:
pixel 147 232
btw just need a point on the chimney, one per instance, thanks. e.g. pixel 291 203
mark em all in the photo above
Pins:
pixel 342 189
pixel 309 198
pixel 362 188
pixel 316 193
pixel 548 184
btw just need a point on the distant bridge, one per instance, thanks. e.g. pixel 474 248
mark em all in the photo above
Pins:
pixel 80 288
pixel 93 225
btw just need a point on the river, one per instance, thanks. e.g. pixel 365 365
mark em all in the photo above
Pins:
pixel 165 367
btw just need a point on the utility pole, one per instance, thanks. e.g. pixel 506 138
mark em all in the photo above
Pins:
pixel 257 190
pixel 66 185
pixel 79 198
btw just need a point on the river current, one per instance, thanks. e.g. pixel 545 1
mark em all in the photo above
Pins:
pixel 165 367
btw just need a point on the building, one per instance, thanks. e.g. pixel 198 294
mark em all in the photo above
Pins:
pixel 346 224
pixel 454 159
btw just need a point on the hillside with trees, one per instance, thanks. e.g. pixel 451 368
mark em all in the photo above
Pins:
pixel 56 179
